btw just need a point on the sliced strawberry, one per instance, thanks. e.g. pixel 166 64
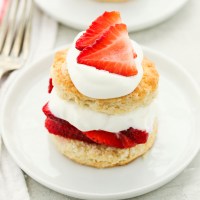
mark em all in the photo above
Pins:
pixel 140 137
pixel 124 139
pixel 46 110
pixel 63 128
pixel 50 87
pixel 100 25
pixel 104 138
pixel 112 52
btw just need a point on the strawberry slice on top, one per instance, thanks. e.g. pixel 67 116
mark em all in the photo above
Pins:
pixel 96 29
pixel 112 52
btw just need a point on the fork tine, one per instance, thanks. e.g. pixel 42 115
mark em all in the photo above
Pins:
pixel 4 24
pixel 11 28
pixel 27 33
pixel 17 43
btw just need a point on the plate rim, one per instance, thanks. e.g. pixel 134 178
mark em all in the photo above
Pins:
pixel 74 193
pixel 131 28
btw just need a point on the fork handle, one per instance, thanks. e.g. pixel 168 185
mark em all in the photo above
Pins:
pixel 2 71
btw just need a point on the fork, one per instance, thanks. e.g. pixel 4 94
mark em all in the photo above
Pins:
pixel 15 30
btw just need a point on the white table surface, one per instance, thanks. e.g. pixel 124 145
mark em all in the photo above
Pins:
pixel 179 38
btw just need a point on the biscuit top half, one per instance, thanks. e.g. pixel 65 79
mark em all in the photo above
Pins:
pixel 141 96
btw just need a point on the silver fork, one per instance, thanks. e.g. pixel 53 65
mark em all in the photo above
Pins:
pixel 15 30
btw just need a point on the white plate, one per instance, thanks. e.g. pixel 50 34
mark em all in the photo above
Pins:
pixel 137 14
pixel 176 145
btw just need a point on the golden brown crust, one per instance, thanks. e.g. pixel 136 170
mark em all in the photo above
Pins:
pixel 141 96
pixel 100 156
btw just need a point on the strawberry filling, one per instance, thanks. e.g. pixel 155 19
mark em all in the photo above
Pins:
pixel 50 87
pixel 123 139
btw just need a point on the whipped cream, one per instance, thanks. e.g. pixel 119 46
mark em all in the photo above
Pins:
pixel 101 84
pixel 86 120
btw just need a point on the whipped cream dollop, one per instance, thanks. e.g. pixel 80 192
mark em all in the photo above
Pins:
pixel 101 84
pixel 86 119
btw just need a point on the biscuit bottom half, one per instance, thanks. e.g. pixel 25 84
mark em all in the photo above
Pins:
pixel 101 156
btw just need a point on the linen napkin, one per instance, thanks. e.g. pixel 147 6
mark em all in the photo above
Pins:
pixel 43 35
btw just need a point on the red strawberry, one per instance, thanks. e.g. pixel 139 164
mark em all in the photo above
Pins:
pixel 96 29
pixel 105 138
pixel 46 110
pixel 64 129
pixel 124 139
pixel 50 87
pixel 112 52
pixel 140 137
pixel 61 127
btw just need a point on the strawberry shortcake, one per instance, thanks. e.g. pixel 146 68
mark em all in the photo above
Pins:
pixel 102 107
